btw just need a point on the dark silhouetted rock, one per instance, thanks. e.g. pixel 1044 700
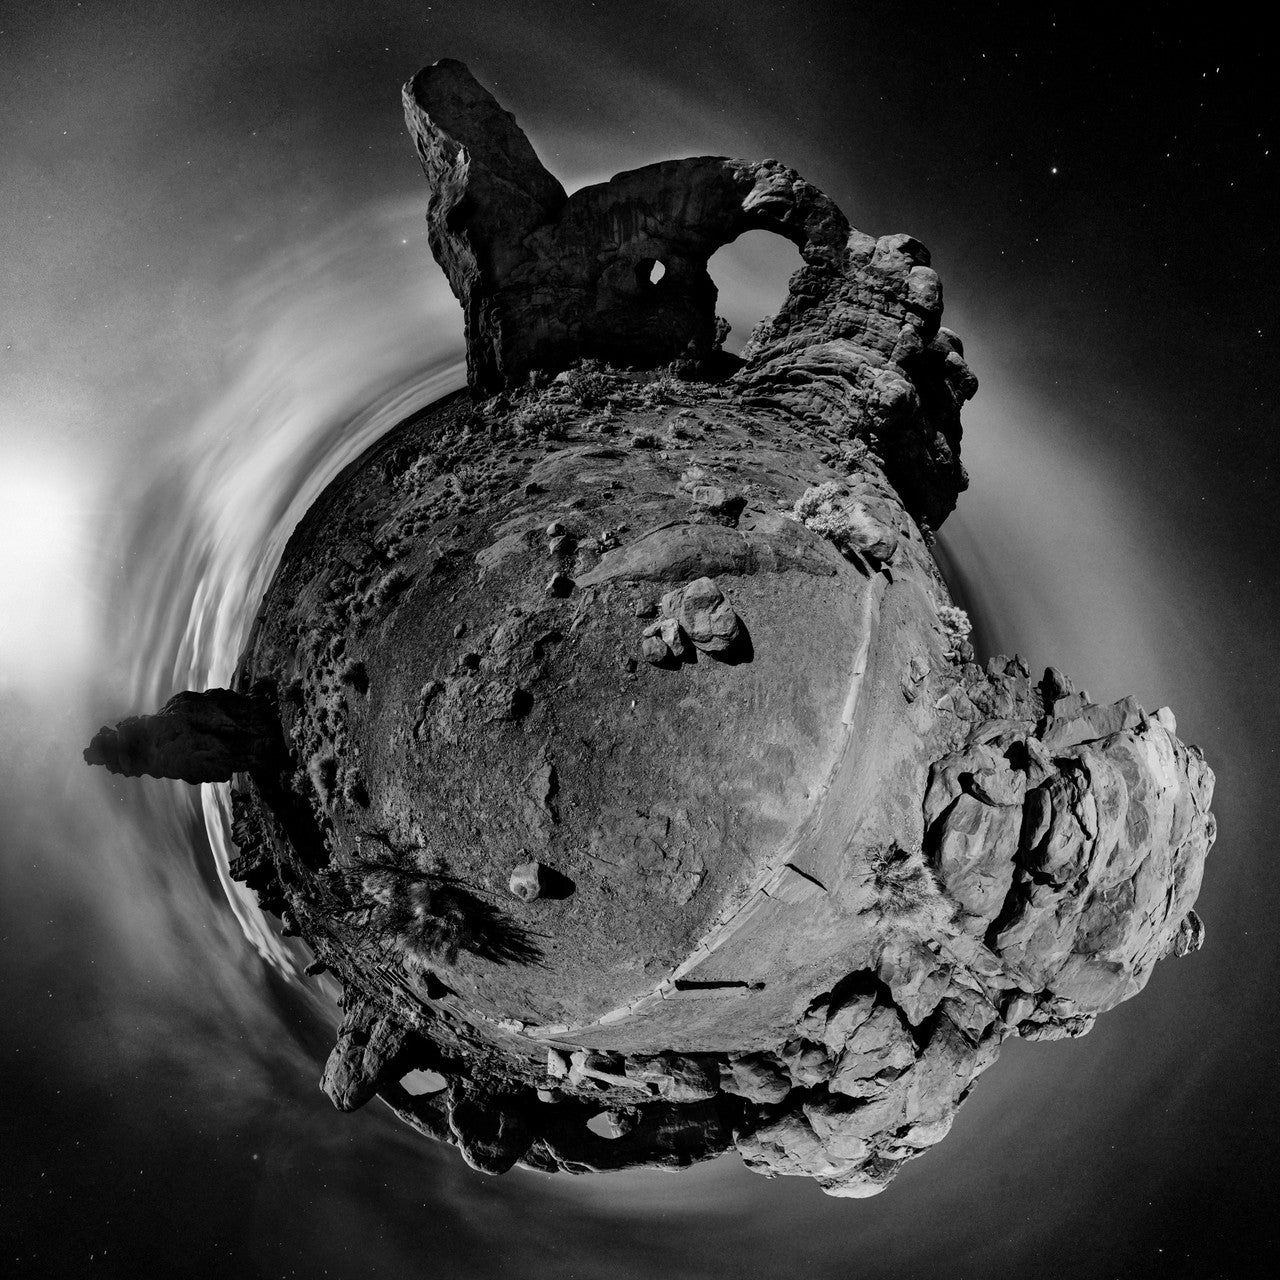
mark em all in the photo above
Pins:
pixel 196 737
pixel 545 279
pixel 368 1054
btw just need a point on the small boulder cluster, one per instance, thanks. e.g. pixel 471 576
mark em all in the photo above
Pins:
pixel 695 616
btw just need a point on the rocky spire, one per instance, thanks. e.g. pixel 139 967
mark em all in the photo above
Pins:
pixel 196 737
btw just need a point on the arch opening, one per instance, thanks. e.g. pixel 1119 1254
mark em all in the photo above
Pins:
pixel 752 275
pixel 603 1126
pixel 649 271
pixel 421 1080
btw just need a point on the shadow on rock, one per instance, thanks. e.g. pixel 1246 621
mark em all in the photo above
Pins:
pixel 739 650
pixel 556 885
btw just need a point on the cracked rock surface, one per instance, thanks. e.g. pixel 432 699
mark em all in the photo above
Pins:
pixel 630 768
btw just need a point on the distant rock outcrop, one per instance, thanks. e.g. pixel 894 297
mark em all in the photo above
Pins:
pixel 612 739
pixel 195 737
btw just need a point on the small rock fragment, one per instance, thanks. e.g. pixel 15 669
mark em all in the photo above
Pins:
pixel 672 637
pixel 559 585
pixel 1189 937
pixel 715 502
pixel 654 650
pixel 526 881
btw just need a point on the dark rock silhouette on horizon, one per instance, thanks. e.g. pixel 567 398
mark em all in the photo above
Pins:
pixel 194 737
pixel 636 778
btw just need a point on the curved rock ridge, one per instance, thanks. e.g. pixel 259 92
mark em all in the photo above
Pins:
pixel 546 279
pixel 614 742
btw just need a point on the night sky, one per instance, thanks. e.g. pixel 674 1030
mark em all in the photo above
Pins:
pixel 217 287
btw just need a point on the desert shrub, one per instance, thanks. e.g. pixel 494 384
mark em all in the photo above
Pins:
pixel 662 390
pixel 908 893
pixel 391 585
pixel 589 384
pixel 353 789
pixel 541 418
pixel 955 628
pixel 417 916
pixel 846 522
pixel 323 771
pixel 816 501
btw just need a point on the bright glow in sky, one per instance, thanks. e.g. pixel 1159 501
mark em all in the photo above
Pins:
pixel 44 588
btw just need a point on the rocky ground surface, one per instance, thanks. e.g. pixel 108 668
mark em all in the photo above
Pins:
pixel 611 736
pixel 794 865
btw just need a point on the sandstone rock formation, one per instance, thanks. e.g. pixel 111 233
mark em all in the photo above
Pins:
pixel 547 279
pixel 196 737
pixel 637 781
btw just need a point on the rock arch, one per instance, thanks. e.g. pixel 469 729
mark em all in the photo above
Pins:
pixel 546 278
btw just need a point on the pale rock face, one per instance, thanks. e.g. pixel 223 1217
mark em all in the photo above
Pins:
pixel 615 741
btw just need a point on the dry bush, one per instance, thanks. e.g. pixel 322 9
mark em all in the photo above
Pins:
pixel 909 895
pixel 955 627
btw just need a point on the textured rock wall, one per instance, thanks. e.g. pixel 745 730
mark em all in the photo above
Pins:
pixel 546 279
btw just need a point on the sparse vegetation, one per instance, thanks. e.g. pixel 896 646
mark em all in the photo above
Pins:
pixel 828 509
pixel 541 418
pixel 664 389
pixel 955 627
pixel 816 506
pixel 909 894
pixel 419 917
pixel 389 587
pixel 590 384
pixel 323 770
